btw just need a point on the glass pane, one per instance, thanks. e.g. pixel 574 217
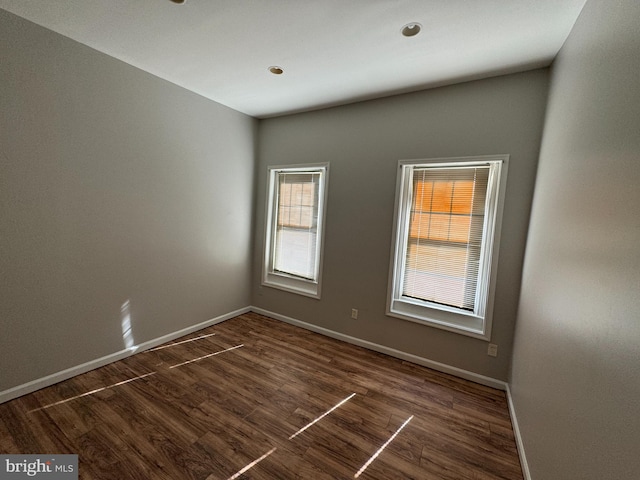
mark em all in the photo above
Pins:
pixel 295 252
pixel 436 273
pixel 296 224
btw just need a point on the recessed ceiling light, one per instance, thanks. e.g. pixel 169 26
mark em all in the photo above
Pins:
pixel 276 70
pixel 179 2
pixel 411 29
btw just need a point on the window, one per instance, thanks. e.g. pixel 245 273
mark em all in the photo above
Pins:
pixel 446 242
pixel 295 220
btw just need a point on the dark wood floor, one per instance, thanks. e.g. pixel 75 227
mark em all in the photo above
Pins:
pixel 240 401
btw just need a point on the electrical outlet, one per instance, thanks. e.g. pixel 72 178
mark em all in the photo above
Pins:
pixel 492 350
pixel 354 313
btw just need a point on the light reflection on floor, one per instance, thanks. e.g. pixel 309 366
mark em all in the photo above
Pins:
pixel 322 416
pixel 180 343
pixel 92 392
pixel 206 356
pixel 373 457
pixel 240 472
pixel 250 465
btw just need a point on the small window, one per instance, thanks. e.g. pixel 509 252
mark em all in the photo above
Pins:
pixel 295 221
pixel 446 242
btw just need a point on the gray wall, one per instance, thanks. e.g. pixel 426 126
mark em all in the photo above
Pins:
pixel 576 364
pixel 115 186
pixel 363 142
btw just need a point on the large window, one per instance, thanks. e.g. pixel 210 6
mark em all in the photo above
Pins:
pixel 446 241
pixel 295 218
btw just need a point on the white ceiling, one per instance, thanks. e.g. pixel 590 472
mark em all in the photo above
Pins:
pixel 332 51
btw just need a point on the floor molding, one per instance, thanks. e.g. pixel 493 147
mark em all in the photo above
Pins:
pixel 425 362
pixel 54 378
pixel 516 432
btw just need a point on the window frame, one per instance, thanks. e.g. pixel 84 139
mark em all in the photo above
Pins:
pixel 281 280
pixel 475 324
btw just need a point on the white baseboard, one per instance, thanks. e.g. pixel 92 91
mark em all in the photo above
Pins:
pixel 54 378
pixel 425 362
pixel 516 432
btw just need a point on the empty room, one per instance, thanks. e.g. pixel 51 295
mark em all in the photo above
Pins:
pixel 374 239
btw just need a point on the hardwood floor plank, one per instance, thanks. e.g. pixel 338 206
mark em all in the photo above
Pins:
pixel 284 465
pixel 143 448
pixel 7 444
pixel 16 422
pixel 256 398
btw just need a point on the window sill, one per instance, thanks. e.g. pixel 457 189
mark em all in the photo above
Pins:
pixel 454 321
pixel 292 284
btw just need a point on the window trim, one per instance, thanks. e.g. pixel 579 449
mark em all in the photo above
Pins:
pixel 431 314
pixel 281 280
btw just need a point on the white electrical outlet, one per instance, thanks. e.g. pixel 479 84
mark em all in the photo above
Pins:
pixel 492 350
pixel 354 313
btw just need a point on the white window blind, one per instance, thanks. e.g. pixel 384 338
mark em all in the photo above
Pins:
pixel 297 224
pixel 445 235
